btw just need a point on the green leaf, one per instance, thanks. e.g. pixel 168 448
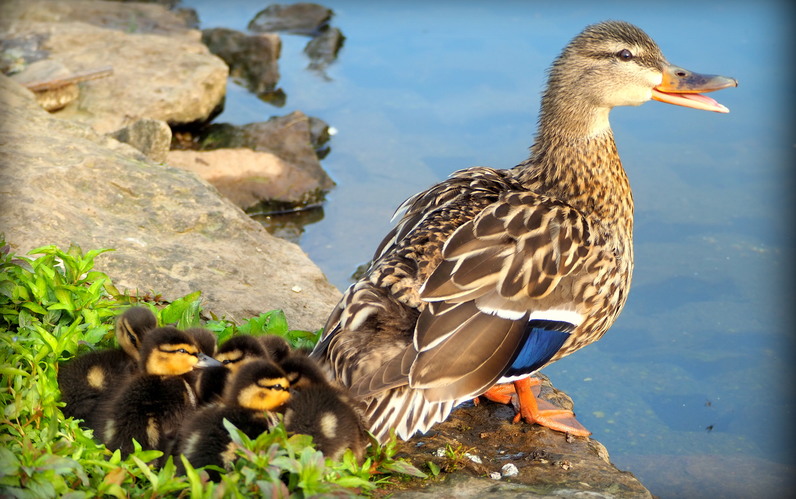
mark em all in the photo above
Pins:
pixel 13 371
pixel 184 312
pixel 9 464
pixel 433 468
pixel 403 467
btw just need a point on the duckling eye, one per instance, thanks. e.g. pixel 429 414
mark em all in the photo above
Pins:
pixel 624 55
pixel 277 387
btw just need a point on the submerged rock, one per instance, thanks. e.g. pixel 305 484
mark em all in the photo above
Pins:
pixel 252 59
pixel 301 18
pixel 322 50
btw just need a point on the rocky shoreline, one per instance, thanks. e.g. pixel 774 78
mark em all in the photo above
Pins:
pixel 115 164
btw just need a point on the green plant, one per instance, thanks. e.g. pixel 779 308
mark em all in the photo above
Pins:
pixel 55 307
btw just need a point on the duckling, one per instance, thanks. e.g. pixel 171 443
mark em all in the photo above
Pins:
pixel 206 340
pixel 87 380
pixel 232 354
pixel 277 346
pixel 257 389
pixel 151 404
pixel 493 274
pixel 320 409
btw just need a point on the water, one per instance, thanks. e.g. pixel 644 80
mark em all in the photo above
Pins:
pixel 691 390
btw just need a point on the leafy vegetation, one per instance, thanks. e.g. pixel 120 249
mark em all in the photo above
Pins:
pixel 55 307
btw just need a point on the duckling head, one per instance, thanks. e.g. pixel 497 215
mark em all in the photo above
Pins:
pixel 167 351
pixel 239 350
pixel 615 63
pixel 131 327
pixel 260 385
pixel 303 372
pixel 205 339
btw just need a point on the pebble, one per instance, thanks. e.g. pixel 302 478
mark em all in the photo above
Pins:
pixel 495 475
pixel 473 458
pixel 509 470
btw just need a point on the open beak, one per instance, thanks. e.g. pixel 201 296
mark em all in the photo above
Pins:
pixel 683 88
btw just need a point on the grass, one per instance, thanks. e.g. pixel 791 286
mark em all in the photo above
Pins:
pixel 55 307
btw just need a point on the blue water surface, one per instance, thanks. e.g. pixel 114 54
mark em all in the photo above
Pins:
pixel 691 390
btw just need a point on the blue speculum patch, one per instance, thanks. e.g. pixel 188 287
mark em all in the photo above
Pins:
pixel 543 339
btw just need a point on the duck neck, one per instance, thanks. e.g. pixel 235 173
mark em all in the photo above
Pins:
pixel 576 161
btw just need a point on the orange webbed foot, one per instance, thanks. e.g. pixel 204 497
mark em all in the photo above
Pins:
pixel 523 394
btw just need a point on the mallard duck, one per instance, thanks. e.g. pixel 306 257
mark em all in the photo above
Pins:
pixel 150 406
pixel 492 274
pixel 257 389
pixel 88 379
pixel 322 410
pixel 231 355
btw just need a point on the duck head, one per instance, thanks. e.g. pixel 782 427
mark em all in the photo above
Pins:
pixel 260 385
pixel 167 351
pixel 614 63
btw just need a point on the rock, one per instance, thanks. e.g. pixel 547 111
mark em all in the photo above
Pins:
pixel 509 470
pixel 172 232
pixel 252 59
pixel 294 138
pixel 48 70
pixel 249 177
pixel 534 461
pixel 301 18
pixel 322 49
pixel 151 137
pixel 169 78
pixel 129 17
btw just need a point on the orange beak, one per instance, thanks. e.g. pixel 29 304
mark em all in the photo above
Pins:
pixel 682 88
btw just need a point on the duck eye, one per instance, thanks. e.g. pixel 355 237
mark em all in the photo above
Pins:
pixel 624 55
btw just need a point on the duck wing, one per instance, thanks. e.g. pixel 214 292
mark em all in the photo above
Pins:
pixel 506 296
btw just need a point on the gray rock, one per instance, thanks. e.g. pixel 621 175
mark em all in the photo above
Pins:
pixel 172 232
pixel 250 178
pixel 170 78
pixel 301 18
pixel 151 137
pixel 322 49
pixel 252 59
pixel 129 17
pixel 294 138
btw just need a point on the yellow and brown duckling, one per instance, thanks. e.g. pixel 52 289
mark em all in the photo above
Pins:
pixel 323 410
pixel 256 390
pixel 232 355
pixel 91 378
pixel 493 274
pixel 151 405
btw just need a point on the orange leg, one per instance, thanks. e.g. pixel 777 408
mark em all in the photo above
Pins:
pixel 522 394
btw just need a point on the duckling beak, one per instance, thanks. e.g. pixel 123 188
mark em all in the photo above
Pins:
pixel 682 88
pixel 206 361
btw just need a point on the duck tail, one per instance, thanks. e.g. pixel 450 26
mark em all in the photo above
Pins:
pixel 406 411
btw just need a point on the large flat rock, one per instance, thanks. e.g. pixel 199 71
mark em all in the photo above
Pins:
pixel 173 233
pixel 161 69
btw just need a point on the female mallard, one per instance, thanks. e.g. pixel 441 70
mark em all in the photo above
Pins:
pixel 492 274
